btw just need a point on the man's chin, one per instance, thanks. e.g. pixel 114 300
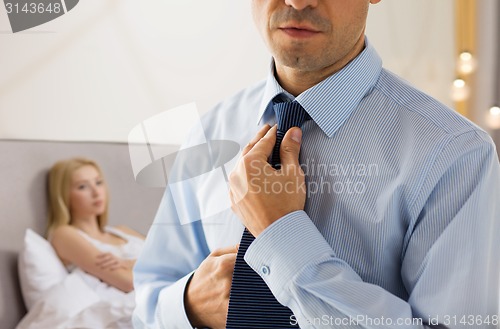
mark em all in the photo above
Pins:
pixel 299 62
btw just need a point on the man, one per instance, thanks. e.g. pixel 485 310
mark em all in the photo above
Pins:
pixel 384 211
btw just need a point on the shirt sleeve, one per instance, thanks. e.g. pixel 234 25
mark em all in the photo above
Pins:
pixel 171 252
pixel 449 264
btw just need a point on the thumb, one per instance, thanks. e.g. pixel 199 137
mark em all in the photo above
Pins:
pixel 290 147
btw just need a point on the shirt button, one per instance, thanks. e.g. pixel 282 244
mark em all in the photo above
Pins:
pixel 265 270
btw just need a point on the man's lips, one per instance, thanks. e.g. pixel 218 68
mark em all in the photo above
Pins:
pixel 298 31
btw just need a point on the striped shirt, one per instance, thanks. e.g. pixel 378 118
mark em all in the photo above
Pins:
pixel 401 227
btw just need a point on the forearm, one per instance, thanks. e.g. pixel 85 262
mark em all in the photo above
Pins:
pixel 161 275
pixel 313 283
pixel 121 278
pixel 321 288
pixel 160 304
pixel 111 269
pixel 171 310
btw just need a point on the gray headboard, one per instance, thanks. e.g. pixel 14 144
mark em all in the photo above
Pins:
pixel 23 170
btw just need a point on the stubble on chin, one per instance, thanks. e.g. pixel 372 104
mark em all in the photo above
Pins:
pixel 296 54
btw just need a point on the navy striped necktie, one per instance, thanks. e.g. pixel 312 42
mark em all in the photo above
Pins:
pixel 251 304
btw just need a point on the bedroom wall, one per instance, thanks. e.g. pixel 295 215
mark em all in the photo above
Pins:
pixel 99 70
pixel 487 91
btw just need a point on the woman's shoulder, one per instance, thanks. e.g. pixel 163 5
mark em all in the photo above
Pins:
pixel 63 234
pixel 129 231
pixel 64 231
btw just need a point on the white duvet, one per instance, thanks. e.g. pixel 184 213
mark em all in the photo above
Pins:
pixel 81 301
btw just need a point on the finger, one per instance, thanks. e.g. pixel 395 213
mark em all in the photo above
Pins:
pixel 226 265
pixel 116 266
pixel 224 251
pixel 104 255
pixel 107 259
pixel 108 263
pixel 261 133
pixel 103 260
pixel 290 147
pixel 234 206
pixel 264 147
pixel 110 266
pixel 229 260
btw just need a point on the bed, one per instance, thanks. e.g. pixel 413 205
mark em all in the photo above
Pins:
pixel 23 168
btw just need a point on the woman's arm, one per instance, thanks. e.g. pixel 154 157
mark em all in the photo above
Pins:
pixel 73 248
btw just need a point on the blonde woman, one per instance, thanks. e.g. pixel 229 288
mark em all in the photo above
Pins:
pixel 77 224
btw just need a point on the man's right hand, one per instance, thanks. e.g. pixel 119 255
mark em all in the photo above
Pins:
pixel 207 294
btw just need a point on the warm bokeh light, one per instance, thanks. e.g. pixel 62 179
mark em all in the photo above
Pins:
pixel 466 63
pixel 493 118
pixel 495 111
pixel 460 91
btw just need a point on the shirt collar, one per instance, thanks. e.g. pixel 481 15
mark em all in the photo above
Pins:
pixel 332 101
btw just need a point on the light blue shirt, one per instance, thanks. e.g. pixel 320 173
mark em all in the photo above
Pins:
pixel 401 227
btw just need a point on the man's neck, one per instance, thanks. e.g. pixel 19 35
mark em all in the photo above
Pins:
pixel 296 81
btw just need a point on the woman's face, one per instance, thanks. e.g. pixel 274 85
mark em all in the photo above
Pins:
pixel 87 196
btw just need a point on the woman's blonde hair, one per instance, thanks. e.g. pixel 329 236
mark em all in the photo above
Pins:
pixel 59 181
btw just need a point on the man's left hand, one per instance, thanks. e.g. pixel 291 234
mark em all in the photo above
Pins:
pixel 260 194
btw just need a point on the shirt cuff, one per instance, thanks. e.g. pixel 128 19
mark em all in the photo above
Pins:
pixel 171 312
pixel 284 249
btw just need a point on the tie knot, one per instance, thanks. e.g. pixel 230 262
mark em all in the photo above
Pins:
pixel 289 114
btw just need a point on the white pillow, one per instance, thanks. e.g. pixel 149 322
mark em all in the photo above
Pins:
pixel 39 268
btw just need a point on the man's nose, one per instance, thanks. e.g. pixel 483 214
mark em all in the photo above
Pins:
pixel 301 4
